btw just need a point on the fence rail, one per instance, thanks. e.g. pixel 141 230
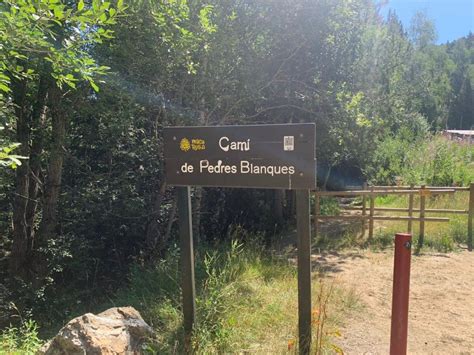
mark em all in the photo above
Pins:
pixel 407 187
pixel 369 194
pixel 384 192
pixel 397 209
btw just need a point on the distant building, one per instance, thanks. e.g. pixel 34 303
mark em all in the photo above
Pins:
pixel 459 135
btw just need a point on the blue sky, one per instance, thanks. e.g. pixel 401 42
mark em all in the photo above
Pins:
pixel 453 18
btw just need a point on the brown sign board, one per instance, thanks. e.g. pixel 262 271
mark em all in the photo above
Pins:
pixel 277 156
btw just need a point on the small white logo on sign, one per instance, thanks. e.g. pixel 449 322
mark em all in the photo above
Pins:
pixel 289 143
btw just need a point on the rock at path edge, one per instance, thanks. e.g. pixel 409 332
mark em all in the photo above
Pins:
pixel 118 330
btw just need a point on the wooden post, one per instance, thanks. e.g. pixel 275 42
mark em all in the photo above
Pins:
pixel 187 264
pixel 371 213
pixel 364 200
pixel 410 210
pixel 470 216
pixel 364 209
pixel 317 212
pixel 422 215
pixel 303 225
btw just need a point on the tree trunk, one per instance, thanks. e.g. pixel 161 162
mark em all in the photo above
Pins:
pixel 19 251
pixel 38 118
pixel 52 186
pixel 326 178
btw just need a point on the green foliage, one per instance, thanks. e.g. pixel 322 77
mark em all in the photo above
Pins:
pixel 7 159
pixel 329 206
pixel 20 341
pixel 245 297
pixel 155 292
pixel 382 240
pixel 434 161
pixel 56 33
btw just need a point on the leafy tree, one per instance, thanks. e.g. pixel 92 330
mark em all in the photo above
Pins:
pixel 44 54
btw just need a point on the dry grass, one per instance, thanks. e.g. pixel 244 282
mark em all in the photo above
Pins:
pixel 268 322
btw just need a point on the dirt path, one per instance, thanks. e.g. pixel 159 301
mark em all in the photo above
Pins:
pixel 441 316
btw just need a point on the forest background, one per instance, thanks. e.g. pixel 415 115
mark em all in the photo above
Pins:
pixel 87 86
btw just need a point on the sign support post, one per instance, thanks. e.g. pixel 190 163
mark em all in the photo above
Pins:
pixel 187 263
pixel 303 223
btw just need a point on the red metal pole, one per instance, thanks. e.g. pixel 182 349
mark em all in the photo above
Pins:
pixel 400 295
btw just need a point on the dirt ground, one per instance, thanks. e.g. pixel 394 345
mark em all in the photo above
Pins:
pixel 441 311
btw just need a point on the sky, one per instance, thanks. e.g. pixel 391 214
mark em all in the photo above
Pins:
pixel 452 18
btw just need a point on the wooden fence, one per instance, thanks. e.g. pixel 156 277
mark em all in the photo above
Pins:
pixel 368 208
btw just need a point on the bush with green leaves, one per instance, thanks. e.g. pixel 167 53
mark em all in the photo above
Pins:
pixel 431 160
pixel 22 340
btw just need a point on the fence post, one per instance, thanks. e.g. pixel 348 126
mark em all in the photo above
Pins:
pixel 317 212
pixel 364 200
pixel 410 210
pixel 371 219
pixel 470 217
pixel 400 294
pixel 422 215
pixel 364 209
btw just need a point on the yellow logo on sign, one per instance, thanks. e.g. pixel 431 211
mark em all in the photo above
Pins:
pixel 195 144
pixel 184 145
pixel 198 144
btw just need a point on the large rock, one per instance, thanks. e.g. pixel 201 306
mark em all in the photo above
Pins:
pixel 119 330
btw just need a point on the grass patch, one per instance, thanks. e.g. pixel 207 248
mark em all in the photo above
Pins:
pixel 246 302
pixel 439 236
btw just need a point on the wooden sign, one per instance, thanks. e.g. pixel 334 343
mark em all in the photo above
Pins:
pixel 280 156
pixel 262 156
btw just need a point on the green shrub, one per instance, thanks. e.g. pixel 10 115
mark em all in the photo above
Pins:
pixel 458 230
pixel 22 340
pixel 432 160
pixel 443 243
pixel 329 206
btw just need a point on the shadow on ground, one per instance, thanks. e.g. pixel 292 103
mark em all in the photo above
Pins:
pixel 328 263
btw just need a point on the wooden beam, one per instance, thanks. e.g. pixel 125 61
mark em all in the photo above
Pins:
pixel 371 213
pixel 411 198
pixel 381 193
pixel 470 217
pixel 456 188
pixel 187 264
pixel 343 217
pixel 303 228
pixel 422 216
pixel 408 218
pixel 317 211
pixel 386 218
pixel 397 209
